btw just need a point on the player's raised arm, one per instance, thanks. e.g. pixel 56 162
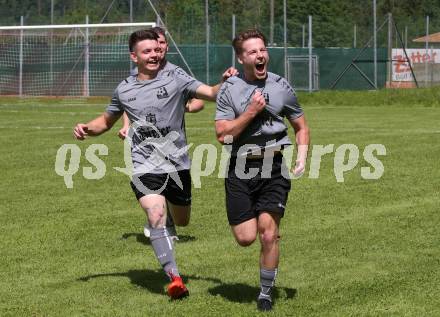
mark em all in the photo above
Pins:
pixel 235 127
pixel 210 92
pixel 95 127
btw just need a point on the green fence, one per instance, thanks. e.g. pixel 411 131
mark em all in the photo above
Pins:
pixel 332 61
pixel 109 64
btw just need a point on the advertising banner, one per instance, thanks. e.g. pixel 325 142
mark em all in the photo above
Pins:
pixel 401 69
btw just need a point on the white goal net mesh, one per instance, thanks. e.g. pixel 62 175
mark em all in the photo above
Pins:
pixel 77 61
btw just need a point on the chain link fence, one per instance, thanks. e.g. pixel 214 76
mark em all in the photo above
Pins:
pixel 342 52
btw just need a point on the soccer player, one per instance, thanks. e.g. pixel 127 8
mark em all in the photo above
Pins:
pixel 193 105
pixel 156 106
pixel 250 112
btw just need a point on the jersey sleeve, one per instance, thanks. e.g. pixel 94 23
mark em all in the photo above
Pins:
pixel 115 107
pixel 224 110
pixel 187 84
pixel 292 109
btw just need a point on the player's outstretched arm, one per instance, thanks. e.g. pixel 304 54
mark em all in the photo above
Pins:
pixel 210 92
pixel 122 133
pixel 231 71
pixel 302 137
pixel 194 105
pixel 234 128
pixel 95 127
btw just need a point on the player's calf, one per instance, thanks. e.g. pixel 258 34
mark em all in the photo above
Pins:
pixel 180 214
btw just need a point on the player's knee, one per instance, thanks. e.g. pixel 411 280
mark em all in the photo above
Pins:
pixel 245 240
pixel 269 237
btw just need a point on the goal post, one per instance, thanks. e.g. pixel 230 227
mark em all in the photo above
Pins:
pixel 300 72
pixel 65 60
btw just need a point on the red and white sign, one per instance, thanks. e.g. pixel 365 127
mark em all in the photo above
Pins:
pixel 401 69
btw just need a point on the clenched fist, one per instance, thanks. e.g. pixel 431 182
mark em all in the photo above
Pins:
pixel 257 104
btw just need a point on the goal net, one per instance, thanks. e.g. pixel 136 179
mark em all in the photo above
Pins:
pixel 298 72
pixel 65 60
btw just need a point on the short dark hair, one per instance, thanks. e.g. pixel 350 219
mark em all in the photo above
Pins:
pixel 141 35
pixel 237 43
pixel 159 31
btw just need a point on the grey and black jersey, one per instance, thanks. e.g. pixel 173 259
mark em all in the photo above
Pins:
pixel 167 67
pixel 156 109
pixel 267 129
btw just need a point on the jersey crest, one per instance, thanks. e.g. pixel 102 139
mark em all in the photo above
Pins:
pixel 162 93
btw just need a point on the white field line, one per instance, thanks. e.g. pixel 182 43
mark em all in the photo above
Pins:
pixel 385 107
pixel 61 127
pixel 379 131
pixel 394 132
pixel 72 113
pixel 211 129
pixel 201 128
pixel 33 127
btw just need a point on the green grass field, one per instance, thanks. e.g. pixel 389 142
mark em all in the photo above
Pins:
pixel 357 248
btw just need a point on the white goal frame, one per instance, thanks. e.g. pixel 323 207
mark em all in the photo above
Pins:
pixel 86 27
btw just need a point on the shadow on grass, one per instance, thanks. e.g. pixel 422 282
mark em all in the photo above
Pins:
pixel 242 293
pixel 146 241
pixel 153 281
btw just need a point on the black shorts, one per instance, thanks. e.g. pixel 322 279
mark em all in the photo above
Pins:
pixel 246 198
pixel 152 184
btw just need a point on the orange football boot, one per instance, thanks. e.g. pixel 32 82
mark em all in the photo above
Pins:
pixel 176 289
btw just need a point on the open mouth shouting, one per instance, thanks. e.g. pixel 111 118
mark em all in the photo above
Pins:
pixel 260 69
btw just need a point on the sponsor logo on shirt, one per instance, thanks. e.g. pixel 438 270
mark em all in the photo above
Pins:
pixel 151 117
pixel 266 97
pixel 162 93
pixel 131 99
pixel 145 131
